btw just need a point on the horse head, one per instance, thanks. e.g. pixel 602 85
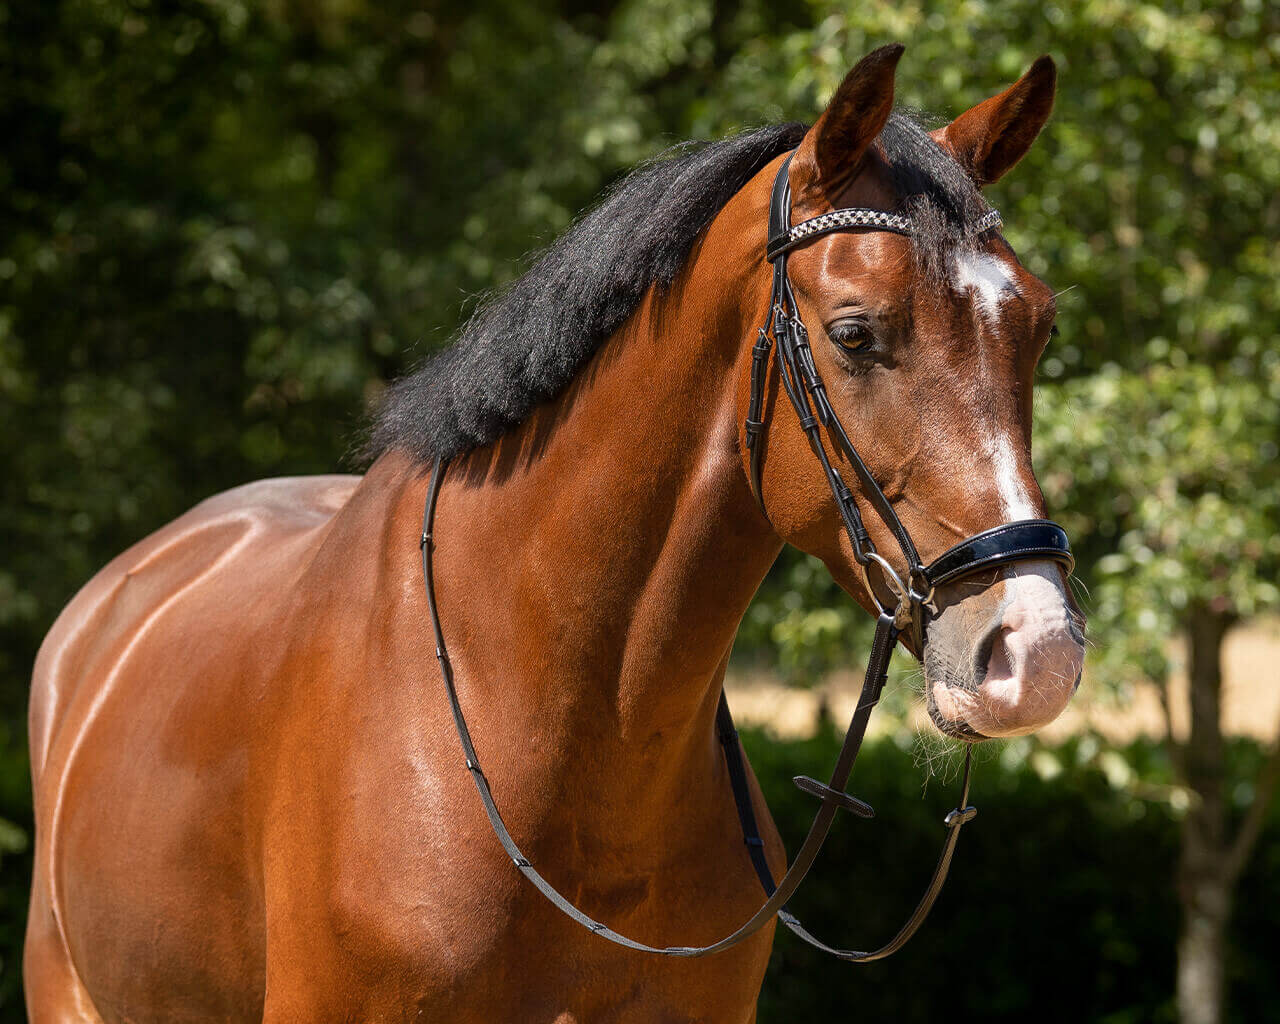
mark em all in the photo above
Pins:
pixel 927 345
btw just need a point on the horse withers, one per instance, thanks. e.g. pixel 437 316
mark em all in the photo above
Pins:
pixel 250 797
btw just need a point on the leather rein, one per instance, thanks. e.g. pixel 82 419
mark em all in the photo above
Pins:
pixel 784 334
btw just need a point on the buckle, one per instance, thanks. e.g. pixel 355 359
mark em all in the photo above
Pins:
pixel 960 816
pixel 910 601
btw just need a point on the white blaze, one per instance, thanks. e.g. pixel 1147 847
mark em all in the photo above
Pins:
pixel 990 280
pixel 1014 498
pixel 988 277
pixel 1036 653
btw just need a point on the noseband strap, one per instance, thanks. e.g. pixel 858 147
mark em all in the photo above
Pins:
pixel 1026 541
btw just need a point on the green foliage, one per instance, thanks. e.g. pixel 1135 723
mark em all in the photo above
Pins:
pixel 1175 471
pixel 802 622
pixel 1065 873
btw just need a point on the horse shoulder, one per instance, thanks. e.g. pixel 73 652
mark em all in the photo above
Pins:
pixel 131 597
pixel 147 703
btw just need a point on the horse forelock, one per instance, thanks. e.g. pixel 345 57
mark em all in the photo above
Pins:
pixel 939 195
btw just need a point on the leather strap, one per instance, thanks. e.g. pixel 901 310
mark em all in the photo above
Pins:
pixel 803 385
pixel 833 795
pixel 1027 540
pixel 877 667
pixel 785 336
pixel 851 218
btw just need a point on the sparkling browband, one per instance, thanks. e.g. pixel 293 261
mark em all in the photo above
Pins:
pixel 857 217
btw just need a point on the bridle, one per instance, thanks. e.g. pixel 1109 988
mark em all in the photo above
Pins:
pixel 785 335
pixel 911 592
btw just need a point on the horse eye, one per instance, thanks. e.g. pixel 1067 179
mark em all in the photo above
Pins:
pixel 851 335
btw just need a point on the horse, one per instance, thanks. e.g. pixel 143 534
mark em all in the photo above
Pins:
pixel 250 799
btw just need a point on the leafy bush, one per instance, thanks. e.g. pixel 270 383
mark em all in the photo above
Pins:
pixel 1059 906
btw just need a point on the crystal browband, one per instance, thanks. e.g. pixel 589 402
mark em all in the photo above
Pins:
pixel 858 217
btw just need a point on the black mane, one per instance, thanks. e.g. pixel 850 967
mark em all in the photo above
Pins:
pixel 525 344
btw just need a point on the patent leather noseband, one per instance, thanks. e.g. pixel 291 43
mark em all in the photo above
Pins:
pixel 785 336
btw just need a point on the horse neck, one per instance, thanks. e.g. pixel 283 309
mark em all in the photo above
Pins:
pixel 600 558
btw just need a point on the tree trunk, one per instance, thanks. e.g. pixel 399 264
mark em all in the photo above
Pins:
pixel 1205 881
pixel 1206 908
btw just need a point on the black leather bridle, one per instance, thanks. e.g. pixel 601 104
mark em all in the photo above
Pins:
pixel 785 335
pixel 1009 542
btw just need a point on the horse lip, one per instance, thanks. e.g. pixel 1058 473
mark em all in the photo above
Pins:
pixel 954 730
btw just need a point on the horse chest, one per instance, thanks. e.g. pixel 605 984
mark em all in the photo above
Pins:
pixel 402 891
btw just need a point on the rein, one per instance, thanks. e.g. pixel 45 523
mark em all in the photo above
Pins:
pixel 1011 542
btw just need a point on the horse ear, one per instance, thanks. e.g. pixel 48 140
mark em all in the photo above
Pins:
pixel 996 134
pixel 831 152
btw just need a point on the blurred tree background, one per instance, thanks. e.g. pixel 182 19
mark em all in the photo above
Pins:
pixel 224 225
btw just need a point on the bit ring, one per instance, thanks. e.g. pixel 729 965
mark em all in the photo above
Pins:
pixel 891 578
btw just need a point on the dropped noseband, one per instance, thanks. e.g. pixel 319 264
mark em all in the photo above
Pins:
pixel 1001 545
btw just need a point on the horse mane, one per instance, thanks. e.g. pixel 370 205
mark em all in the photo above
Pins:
pixel 524 344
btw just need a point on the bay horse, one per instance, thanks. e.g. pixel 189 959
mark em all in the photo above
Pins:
pixel 249 797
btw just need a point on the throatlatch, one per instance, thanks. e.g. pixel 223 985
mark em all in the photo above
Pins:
pixel 785 336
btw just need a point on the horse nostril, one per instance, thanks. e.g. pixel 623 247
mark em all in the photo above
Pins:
pixel 986 646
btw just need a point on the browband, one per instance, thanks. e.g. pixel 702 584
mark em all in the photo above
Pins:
pixel 857 217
